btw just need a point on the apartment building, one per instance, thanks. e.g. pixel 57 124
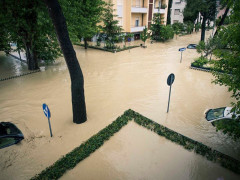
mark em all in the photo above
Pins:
pixel 134 15
pixel 177 11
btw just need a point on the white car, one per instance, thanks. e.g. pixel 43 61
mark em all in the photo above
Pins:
pixel 219 114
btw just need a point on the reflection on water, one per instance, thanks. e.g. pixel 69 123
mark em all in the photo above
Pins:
pixel 9 66
pixel 114 82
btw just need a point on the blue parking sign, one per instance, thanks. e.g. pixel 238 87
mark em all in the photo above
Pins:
pixel 46 110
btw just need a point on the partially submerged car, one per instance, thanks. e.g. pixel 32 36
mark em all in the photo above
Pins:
pixel 192 46
pixel 9 134
pixel 219 114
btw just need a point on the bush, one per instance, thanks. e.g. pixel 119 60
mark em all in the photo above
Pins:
pixel 228 126
pixel 199 62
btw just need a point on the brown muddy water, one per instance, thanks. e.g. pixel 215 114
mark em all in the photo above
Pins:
pixel 113 84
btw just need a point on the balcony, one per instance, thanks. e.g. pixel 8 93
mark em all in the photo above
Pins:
pixel 137 29
pixel 162 11
pixel 137 9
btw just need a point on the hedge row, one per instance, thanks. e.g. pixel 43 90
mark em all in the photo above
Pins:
pixel 188 143
pixel 206 69
pixel 108 50
pixel 20 75
pixel 70 160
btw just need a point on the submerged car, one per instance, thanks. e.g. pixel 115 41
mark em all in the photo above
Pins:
pixel 219 114
pixel 9 134
pixel 192 46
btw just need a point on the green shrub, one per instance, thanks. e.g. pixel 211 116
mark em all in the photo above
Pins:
pixel 228 126
pixel 199 62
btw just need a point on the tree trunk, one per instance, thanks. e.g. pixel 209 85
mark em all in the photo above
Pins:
pixel 85 43
pixel 31 57
pixel 77 81
pixel 203 27
pixel 222 21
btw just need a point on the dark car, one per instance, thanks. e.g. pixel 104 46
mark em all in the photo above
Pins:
pixel 9 134
pixel 192 46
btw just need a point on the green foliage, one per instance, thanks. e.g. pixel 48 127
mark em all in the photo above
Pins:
pixel 201 47
pixel 110 27
pixel 189 27
pixel 70 160
pixel 160 32
pixel 178 28
pixel 197 27
pixel 28 25
pixel 199 62
pixel 82 17
pixel 228 126
pixel 228 54
pixel 144 35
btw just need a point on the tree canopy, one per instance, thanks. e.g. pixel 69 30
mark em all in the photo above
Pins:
pixel 28 25
pixel 83 18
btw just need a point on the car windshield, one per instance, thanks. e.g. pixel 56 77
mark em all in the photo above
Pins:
pixel 8 129
pixel 215 113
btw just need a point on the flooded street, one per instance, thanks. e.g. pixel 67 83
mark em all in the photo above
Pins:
pixel 115 82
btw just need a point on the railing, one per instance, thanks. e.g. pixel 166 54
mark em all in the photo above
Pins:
pixel 137 28
pixel 162 11
pixel 139 9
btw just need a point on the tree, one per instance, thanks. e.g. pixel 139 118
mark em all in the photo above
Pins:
pixel 178 28
pixel 169 12
pixel 83 17
pixel 28 26
pixel 77 81
pixel 227 52
pixel 160 32
pixel 156 27
pixel 207 9
pixel 144 35
pixel 110 26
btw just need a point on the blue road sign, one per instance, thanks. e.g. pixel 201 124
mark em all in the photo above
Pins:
pixel 129 39
pixel 46 110
pixel 182 49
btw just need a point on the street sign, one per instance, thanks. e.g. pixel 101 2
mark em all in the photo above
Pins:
pixel 182 49
pixel 46 110
pixel 170 79
pixel 48 115
pixel 129 39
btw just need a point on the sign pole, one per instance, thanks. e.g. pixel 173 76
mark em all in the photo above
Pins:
pixel 48 115
pixel 169 98
pixel 170 81
pixel 50 126
pixel 181 57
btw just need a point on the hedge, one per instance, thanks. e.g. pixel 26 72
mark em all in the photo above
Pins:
pixel 70 160
pixel 20 75
pixel 108 50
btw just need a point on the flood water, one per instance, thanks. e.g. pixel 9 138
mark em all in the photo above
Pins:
pixel 115 82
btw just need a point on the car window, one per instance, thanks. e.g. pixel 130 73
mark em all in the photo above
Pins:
pixel 4 142
pixel 215 114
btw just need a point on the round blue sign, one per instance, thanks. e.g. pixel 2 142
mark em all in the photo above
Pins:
pixel 46 110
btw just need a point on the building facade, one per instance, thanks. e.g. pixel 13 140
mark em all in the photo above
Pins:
pixel 177 11
pixel 134 15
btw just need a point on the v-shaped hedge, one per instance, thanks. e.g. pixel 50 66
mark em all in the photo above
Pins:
pixel 70 160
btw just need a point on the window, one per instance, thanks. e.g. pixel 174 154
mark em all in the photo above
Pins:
pixel 175 21
pixel 177 1
pixel 176 11
pixel 138 3
pixel 137 22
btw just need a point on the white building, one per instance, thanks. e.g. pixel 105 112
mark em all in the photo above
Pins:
pixel 177 11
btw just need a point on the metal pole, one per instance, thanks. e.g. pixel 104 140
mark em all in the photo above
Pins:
pixel 181 57
pixel 50 126
pixel 169 98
